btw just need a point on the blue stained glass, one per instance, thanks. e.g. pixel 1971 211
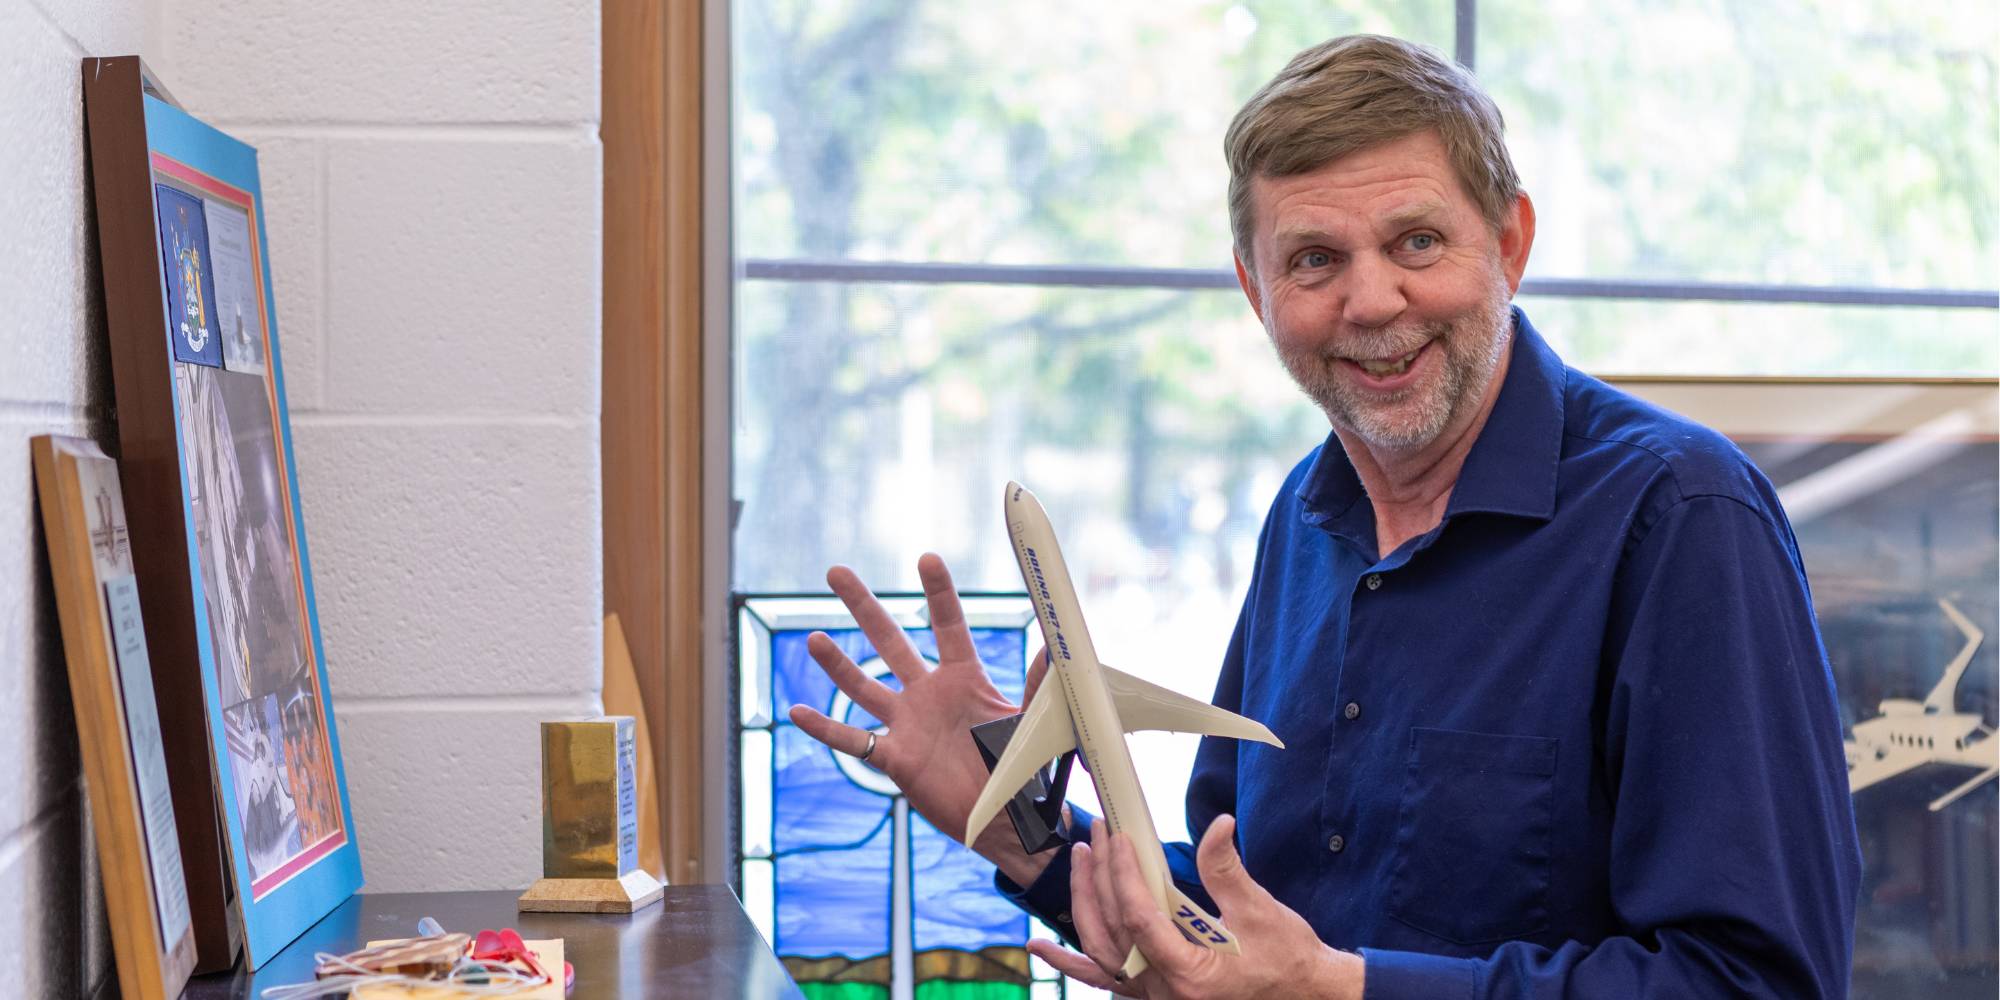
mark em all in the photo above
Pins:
pixel 956 905
pixel 834 827
pixel 832 848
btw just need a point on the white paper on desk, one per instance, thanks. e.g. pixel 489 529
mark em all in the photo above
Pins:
pixel 149 758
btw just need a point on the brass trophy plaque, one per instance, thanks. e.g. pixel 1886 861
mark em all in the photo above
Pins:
pixel 590 821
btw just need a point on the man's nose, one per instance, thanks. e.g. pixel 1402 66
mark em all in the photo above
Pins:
pixel 1374 292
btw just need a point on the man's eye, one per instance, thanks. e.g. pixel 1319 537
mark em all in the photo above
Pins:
pixel 1420 242
pixel 1315 258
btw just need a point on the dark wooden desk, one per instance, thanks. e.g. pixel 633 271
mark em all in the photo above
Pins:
pixel 697 942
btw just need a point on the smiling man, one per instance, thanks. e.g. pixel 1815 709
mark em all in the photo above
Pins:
pixel 1556 714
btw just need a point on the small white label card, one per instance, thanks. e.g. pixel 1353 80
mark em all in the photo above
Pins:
pixel 149 759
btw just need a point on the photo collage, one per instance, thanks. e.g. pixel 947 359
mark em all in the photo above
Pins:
pixel 280 761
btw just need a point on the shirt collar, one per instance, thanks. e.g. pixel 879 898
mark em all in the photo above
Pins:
pixel 1512 466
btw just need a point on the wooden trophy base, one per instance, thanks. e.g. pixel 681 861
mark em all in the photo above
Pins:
pixel 634 890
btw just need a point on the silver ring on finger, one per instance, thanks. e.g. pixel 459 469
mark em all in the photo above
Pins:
pixel 869 751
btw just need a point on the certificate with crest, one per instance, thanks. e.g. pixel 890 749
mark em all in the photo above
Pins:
pixel 117 723
pixel 218 537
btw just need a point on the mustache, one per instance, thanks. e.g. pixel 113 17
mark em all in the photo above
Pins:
pixel 1385 343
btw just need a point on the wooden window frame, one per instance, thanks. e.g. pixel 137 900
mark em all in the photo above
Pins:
pixel 665 399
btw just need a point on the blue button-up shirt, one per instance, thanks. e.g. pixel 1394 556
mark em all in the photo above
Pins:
pixel 1578 740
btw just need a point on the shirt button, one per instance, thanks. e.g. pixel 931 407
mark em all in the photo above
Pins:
pixel 1352 711
pixel 1374 581
pixel 1063 917
pixel 1336 843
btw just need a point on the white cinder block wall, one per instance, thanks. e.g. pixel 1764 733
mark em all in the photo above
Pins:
pixel 432 176
pixel 54 377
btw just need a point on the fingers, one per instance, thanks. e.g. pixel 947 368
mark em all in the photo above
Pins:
pixel 877 624
pixel 1092 931
pixel 1038 670
pixel 1110 907
pixel 1222 871
pixel 954 639
pixel 842 737
pixel 1142 920
pixel 866 691
pixel 1077 967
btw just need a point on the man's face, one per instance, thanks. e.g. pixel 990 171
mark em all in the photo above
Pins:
pixel 1384 289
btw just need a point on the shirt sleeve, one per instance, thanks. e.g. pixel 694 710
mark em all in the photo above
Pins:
pixel 1047 899
pixel 1735 866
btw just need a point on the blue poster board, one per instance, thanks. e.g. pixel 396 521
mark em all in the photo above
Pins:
pixel 280 782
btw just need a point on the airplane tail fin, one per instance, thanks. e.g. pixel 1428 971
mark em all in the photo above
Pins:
pixel 1045 733
pixel 1196 925
pixel 1143 705
pixel 1945 694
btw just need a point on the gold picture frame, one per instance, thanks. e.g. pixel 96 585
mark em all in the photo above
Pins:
pixel 117 720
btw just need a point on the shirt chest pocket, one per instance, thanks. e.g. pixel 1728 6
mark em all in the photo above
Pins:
pixel 1473 835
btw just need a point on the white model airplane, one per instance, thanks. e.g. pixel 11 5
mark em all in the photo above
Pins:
pixel 1086 706
pixel 1909 734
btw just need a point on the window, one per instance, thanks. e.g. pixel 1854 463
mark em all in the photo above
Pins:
pixel 973 247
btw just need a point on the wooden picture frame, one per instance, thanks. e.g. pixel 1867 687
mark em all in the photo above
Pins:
pixel 1892 489
pixel 117 722
pixel 219 543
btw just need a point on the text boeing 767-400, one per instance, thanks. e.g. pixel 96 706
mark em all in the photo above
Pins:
pixel 1086 706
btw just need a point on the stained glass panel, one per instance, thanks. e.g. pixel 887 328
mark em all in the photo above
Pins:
pixel 860 896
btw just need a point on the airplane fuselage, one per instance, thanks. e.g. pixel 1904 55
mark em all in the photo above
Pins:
pixel 1073 663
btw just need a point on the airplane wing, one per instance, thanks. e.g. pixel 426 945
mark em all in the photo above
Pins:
pixel 1864 769
pixel 1980 754
pixel 1970 783
pixel 1045 733
pixel 1142 705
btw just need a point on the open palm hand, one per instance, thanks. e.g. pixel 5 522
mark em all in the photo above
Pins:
pixel 925 747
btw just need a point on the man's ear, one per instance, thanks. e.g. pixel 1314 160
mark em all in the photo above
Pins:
pixel 1517 237
pixel 1249 284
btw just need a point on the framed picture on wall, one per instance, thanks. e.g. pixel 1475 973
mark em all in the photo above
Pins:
pixel 218 537
pixel 1893 491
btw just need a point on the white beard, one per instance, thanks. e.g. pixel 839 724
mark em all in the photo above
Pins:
pixel 1473 344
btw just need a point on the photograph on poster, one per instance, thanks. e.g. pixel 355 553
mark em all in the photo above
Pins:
pixel 240 322
pixel 256 762
pixel 190 287
pixel 254 596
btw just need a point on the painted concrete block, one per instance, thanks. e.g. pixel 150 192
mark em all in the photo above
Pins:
pixel 449 797
pixel 37 723
pixel 455 559
pixel 387 61
pixel 48 259
pixel 43 912
pixel 463 277
pixel 99 27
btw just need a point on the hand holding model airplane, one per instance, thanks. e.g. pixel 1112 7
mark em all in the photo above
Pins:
pixel 924 747
pixel 1086 706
